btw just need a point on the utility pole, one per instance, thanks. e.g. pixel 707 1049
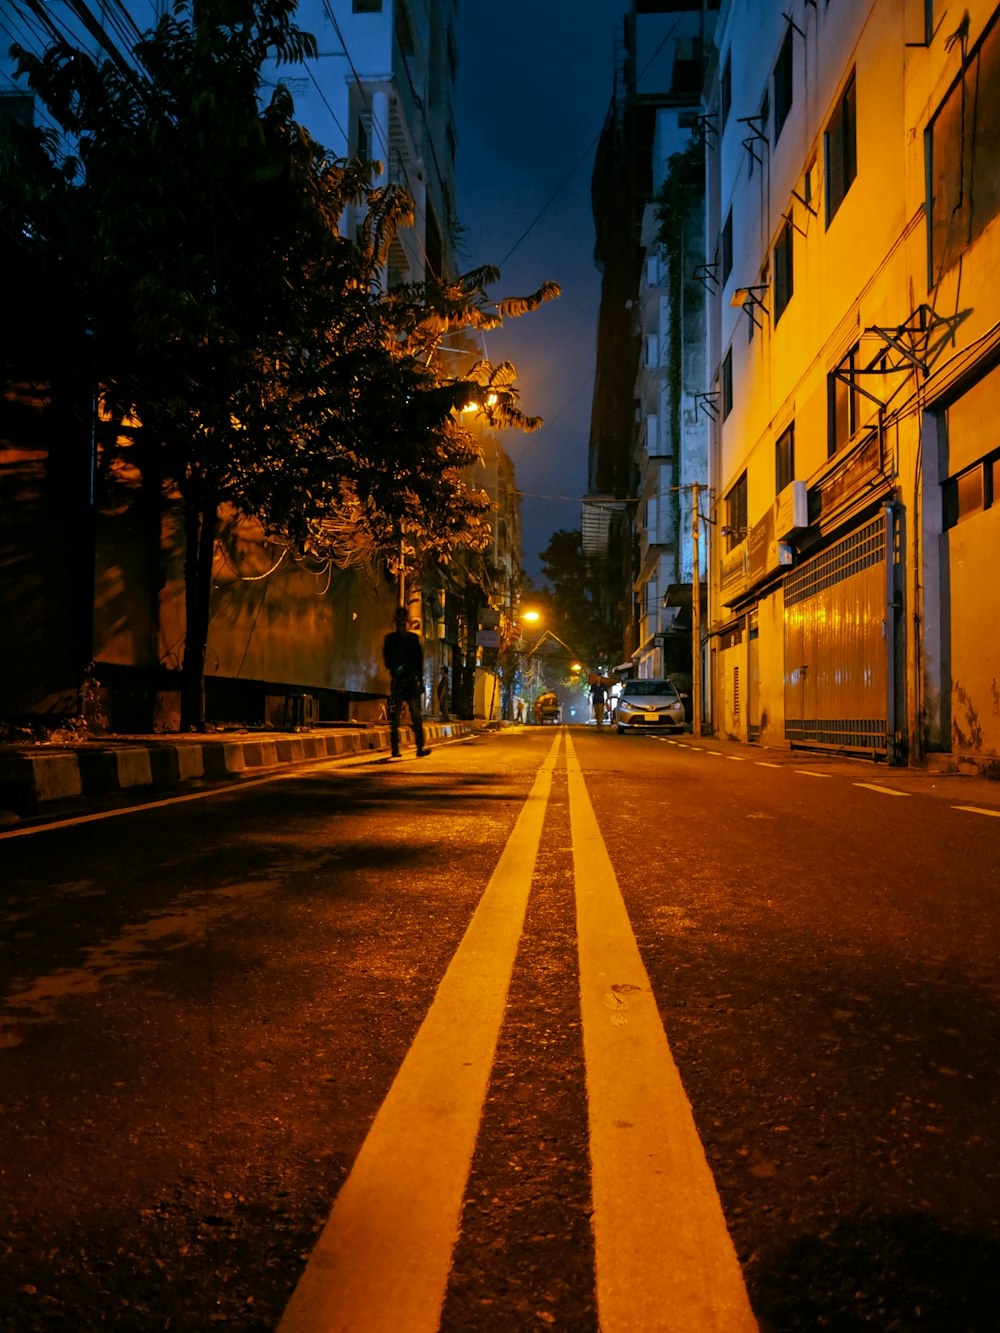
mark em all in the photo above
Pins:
pixel 695 618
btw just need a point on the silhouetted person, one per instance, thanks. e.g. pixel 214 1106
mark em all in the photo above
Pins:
pixel 404 658
pixel 598 694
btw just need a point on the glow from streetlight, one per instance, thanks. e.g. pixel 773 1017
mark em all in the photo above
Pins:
pixel 531 616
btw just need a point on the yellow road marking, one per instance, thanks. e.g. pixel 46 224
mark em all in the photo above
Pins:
pixel 664 1258
pixel 809 773
pixel 381 1264
pixel 886 791
pixel 978 810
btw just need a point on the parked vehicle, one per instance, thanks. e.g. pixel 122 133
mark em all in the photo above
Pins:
pixel 647 705
pixel 547 708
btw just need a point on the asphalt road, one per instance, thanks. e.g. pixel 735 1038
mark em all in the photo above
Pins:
pixel 550 1026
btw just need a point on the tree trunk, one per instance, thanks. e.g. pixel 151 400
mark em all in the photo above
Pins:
pixel 199 555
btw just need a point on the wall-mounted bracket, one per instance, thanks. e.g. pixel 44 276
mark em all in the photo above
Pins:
pixel 789 217
pixel 912 345
pixel 746 299
pixel 708 276
pixel 707 403
pixel 756 131
pixel 792 24
pixel 805 203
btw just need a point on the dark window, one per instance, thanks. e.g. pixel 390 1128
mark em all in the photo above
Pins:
pixel 784 282
pixel 736 514
pixel 688 67
pixel 784 459
pixel 964 495
pixel 727 384
pixel 364 145
pixel 963 143
pixel 841 404
pixel 783 71
pixel 841 149
pixel 366 7
pixel 972 490
pixel 727 246
pixel 726 90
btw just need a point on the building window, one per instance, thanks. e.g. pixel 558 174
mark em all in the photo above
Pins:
pixel 841 403
pixel 727 246
pixel 726 89
pixel 963 146
pixel 727 384
pixel 784 281
pixel 366 6
pixel 841 140
pixel 971 491
pixel 783 71
pixel 784 459
pixel 736 514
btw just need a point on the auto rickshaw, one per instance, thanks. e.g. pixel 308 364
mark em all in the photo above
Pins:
pixel 547 709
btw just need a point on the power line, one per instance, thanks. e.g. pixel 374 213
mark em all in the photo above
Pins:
pixel 583 157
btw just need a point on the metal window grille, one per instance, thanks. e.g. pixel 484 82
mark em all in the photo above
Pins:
pixel 858 551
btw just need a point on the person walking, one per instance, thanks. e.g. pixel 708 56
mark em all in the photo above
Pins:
pixel 444 695
pixel 598 695
pixel 404 658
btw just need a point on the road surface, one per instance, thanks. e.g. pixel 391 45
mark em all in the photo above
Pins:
pixel 551 1029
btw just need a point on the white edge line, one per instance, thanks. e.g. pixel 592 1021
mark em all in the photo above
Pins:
pixel 886 791
pixel 808 773
pixel 978 810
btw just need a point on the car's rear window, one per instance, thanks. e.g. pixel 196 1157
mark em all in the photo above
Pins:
pixel 647 687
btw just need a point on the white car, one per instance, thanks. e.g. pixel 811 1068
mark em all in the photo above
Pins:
pixel 645 705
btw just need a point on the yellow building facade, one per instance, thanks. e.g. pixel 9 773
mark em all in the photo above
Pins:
pixel 854 251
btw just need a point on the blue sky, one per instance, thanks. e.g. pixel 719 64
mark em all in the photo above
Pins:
pixel 534 84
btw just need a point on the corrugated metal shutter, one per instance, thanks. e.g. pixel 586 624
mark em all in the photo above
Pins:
pixel 836 659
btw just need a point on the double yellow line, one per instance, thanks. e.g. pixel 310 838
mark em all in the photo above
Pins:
pixel 664 1258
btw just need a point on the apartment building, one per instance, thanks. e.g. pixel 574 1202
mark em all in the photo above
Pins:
pixel 649 437
pixel 854 340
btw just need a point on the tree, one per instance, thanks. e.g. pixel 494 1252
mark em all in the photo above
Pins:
pixel 242 345
pixel 580 614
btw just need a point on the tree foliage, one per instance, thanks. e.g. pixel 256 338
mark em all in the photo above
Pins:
pixel 196 235
pixel 580 612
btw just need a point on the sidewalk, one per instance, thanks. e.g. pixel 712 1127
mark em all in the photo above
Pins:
pixel 38 781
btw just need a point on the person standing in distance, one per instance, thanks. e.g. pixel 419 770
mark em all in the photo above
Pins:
pixel 404 658
pixel 598 695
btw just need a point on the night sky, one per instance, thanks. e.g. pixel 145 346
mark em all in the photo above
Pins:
pixel 534 85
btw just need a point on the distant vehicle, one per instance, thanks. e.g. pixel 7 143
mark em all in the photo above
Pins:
pixel 547 708
pixel 648 705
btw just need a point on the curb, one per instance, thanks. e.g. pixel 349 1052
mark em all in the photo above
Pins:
pixel 43 780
